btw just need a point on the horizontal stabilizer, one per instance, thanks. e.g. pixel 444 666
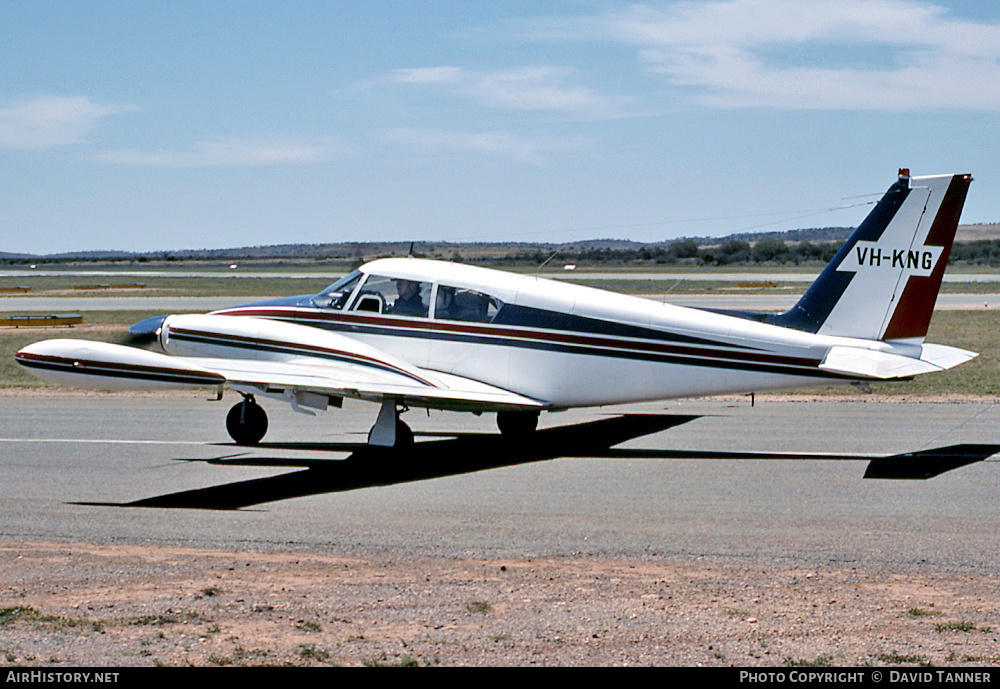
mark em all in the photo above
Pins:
pixel 865 363
pixel 945 357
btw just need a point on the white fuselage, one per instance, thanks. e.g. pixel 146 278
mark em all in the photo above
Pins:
pixel 574 346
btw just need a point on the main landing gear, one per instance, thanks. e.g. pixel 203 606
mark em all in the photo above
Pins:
pixel 517 425
pixel 247 422
pixel 389 430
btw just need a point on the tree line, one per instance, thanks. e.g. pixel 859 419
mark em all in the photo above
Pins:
pixel 697 251
pixel 740 252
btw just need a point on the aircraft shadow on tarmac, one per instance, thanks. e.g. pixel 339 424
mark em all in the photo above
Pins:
pixel 367 467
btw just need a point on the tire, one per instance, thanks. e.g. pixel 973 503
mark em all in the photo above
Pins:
pixel 404 438
pixel 517 425
pixel 246 423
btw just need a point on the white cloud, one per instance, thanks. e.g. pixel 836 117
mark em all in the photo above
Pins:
pixel 526 149
pixel 49 121
pixel 536 88
pixel 822 54
pixel 426 75
pixel 230 153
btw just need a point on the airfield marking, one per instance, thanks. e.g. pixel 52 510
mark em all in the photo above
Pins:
pixel 108 441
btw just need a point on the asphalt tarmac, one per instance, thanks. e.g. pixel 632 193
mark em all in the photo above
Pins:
pixel 769 483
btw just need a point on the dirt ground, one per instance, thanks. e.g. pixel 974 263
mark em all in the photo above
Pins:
pixel 132 605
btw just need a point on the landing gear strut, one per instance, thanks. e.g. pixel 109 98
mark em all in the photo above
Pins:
pixel 517 425
pixel 389 430
pixel 247 422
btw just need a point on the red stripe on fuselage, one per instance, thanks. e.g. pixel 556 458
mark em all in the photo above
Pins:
pixel 516 333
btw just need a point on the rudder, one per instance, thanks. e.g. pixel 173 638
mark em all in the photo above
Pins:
pixel 884 282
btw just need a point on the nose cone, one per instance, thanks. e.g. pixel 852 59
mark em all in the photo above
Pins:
pixel 24 356
pixel 145 330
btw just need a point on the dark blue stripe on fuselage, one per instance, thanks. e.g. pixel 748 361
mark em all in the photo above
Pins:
pixel 528 317
pixel 686 354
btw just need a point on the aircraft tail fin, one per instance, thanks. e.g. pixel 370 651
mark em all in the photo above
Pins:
pixel 883 283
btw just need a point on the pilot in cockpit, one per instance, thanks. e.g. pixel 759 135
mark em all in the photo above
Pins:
pixel 409 301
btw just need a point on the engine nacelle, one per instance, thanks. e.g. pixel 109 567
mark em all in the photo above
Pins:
pixel 260 339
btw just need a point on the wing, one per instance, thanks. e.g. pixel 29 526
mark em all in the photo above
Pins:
pixel 304 366
pixel 301 382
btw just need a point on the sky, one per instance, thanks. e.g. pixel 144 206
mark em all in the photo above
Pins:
pixel 145 126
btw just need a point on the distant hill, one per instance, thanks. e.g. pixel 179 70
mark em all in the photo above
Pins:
pixel 965 233
pixel 597 250
pixel 815 234
pixel 982 231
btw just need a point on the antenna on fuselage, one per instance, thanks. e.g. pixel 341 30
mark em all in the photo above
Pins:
pixel 546 261
pixel 409 253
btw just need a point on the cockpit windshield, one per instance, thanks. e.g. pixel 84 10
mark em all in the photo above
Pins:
pixel 393 295
pixel 336 295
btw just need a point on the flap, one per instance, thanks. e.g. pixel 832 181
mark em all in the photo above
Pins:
pixel 437 390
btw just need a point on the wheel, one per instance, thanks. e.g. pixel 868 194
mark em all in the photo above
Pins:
pixel 517 424
pixel 404 436
pixel 246 422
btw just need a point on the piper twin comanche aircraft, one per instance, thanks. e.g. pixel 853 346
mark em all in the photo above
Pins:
pixel 407 332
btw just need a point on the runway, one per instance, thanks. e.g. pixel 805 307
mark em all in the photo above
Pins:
pixel 752 302
pixel 779 482
pixel 722 300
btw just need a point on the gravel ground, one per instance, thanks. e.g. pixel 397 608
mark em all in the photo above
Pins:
pixel 132 605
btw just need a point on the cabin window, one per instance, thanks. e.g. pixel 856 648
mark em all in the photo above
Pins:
pixel 396 296
pixel 460 304
pixel 337 295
